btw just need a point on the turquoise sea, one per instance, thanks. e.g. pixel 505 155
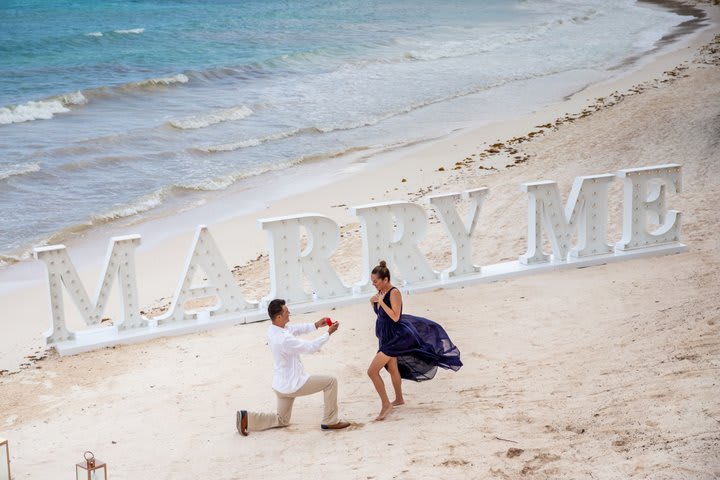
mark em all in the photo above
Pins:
pixel 111 109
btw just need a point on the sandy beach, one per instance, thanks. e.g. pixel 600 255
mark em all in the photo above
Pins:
pixel 606 372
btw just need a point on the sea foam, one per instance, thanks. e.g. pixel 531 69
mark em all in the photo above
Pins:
pixel 141 205
pixel 219 116
pixel 252 142
pixel 135 31
pixel 16 170
pixel 158 82
pixel 41 109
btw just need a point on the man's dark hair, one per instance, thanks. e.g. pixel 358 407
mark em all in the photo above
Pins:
pixel 275 308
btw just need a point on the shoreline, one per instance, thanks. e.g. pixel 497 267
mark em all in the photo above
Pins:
pixel 89 233
pixel 22 284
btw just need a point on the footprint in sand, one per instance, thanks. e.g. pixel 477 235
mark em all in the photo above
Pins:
pixel 538 462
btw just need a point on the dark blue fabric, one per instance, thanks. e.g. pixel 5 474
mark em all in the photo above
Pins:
pixel 420 345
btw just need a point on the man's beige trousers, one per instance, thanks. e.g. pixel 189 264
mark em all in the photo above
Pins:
pixel 314 384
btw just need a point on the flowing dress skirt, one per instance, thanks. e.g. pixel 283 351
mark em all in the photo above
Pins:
pixel 420 346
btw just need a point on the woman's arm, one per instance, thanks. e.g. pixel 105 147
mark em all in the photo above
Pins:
pixel 395 307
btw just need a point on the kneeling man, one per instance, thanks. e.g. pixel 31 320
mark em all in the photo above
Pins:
pixel 289 377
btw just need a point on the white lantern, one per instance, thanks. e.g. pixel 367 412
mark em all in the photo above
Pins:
pixel 91 468
pixel 4 460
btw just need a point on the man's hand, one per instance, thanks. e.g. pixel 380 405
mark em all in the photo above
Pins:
pixel 325 321
pixel 333 327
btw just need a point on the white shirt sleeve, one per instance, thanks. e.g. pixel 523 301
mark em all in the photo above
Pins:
pixel 296 345
pixel 301 328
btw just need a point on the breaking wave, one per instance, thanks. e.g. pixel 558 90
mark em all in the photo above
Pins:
pixel 157 82
pixel 219 116
pixel 18 170
pixel 46 109
pixel 41 109
pixel 135 31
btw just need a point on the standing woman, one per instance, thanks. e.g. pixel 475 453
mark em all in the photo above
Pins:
pixel 410 347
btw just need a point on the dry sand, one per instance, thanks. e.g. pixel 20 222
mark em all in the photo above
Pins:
pixel 604 372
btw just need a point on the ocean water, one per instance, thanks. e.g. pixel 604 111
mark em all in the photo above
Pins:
pixel 109 109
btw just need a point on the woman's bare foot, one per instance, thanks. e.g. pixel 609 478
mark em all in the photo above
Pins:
pixel 397 402
pixel 384 411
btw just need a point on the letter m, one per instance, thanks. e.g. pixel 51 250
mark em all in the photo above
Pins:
pixel 586 213
pixel 119 264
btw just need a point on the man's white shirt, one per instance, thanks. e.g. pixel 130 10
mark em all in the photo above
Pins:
pixel 289 375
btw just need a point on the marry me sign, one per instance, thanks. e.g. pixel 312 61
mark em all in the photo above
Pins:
pixel 390 231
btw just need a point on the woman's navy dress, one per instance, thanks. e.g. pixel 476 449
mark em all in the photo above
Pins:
pixel 420 345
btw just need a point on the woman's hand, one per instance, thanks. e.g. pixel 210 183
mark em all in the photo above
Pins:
pixel 375 298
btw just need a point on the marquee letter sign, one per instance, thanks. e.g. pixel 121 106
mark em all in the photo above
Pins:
pixel 119 263
pixel 644 190
pixel 288 265
pixel 460 234
pixel 205 258
pixel 585 211
pixel 390 231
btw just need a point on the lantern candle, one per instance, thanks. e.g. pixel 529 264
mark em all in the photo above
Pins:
pixel 91 468
pixel 4 460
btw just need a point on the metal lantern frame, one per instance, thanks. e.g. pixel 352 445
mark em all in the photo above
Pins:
pixel 4 446
pixel 91 465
